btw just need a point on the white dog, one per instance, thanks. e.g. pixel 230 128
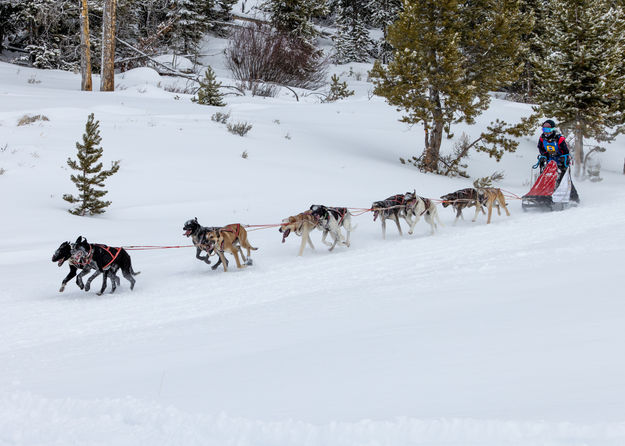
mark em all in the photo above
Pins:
pixel 416 207
pixel 330 220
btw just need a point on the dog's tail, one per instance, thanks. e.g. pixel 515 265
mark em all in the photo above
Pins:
pixel 438 220
pixel 432 211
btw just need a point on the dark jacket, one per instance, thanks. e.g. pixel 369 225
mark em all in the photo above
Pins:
pixel 560 144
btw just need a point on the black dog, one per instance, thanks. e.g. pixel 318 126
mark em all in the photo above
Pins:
pixel 106 259
pixel 198 233
pixel 64 253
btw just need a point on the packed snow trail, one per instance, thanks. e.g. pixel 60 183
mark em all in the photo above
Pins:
pixel 495 334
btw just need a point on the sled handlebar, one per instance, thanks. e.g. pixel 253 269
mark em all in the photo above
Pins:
pixel 555 158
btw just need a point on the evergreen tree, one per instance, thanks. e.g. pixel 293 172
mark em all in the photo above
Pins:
pixel 449 55
pixel 49 32
pixel 8 13
pixel 582 80
pixel 190 22
pixel 537 23
pixel 91 175
pixel 295 16
pixel 208 93
pixel 351 43
pixel 338 90
pixel 383 14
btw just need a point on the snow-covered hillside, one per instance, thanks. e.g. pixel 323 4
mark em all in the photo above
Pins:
pixel 506 334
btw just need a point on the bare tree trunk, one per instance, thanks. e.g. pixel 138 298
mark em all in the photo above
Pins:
pixel 579 147
pixel 433 146
pixel 85 47
pixel 434 138
pixel 107 82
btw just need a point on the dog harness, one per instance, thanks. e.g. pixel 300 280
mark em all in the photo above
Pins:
pixel 426 202
pixel 113 256
pixel 341 212
pixel 236 233
pixel 81 261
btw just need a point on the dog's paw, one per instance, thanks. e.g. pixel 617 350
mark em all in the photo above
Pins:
pixel 62 289
pixel 249 262
pixel 86 287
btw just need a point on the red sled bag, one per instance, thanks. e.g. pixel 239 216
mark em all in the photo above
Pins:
pixel 541 195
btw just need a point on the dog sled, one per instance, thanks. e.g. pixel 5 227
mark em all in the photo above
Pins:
pixel 552 191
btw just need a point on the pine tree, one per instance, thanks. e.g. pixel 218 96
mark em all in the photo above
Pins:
pixel 449 55
pixel 338 90
pixel 294 17
pixel 208 93
pixel 537 24
pixel 383 14
pixel 351 43
pixel 190 22
pixel 582 80
pixel 49 32
pixel 91 175
pixel 8 14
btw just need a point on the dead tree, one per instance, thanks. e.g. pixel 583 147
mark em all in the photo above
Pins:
pixel 85 50
pixel 107 82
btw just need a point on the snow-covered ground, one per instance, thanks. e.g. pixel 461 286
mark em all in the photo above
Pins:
pixel 506 334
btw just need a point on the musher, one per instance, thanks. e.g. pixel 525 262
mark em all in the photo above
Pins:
pixel 552 146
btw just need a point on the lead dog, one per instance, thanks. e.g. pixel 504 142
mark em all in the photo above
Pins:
pixel 417 207
pixel 302 224
pixel 63 254
pixel 391 208
pixel 106 259
pixel 330 220
pixel 230 238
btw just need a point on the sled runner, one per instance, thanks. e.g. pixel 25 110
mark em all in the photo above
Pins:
pixel 552 191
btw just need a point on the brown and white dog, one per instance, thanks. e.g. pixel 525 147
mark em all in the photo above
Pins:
pixel 230 238
pixel 462 199
pixel 301 224
pixel 489 197
pixel 480 198
pixel 417 207
pixel 330 220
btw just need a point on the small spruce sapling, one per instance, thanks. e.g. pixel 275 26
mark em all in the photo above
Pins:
pixel 338 90
pixel 91 175
pixel 208 93
pixel 485 182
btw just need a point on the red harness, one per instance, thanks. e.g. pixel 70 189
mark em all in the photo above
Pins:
pixel 113 256
pixel 79 261
pixel 236 233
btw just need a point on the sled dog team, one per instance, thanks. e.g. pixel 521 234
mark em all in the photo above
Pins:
pixel 233 239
